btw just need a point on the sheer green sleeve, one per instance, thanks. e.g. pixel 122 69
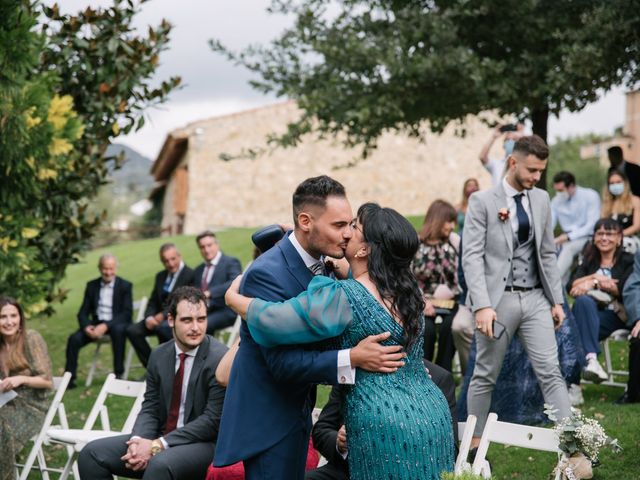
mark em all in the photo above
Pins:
pixel 319 313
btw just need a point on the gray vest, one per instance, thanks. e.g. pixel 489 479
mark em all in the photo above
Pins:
pixel 524 264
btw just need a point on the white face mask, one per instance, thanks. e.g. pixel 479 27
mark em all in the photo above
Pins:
pixel 563 195
pixel 616 189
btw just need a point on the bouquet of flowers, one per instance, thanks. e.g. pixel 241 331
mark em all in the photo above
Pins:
pixel 580 440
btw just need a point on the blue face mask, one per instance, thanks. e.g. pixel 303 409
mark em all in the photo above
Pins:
pixel 616 189
pixel 508 147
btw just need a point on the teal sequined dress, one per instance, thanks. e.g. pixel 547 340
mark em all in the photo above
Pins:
pixel 398 425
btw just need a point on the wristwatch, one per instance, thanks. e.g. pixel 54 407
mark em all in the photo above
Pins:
pixel 156 447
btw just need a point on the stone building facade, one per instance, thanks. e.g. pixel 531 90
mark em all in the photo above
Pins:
pixel 199 190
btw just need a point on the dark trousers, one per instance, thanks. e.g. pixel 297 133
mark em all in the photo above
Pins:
pixel 442 332
pixel 633 385
pixel 117 333
pixel 100 460
pixel 285 460
pixel 220 319
pixel 594 324
pixel 138 333
pixel 327 472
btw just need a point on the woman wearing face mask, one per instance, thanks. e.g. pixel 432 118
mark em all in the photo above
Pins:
pixel 620 204
pixel 25 368
pixel 470 186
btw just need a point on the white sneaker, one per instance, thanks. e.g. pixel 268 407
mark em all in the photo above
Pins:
pixel 575 395
pixel 594 372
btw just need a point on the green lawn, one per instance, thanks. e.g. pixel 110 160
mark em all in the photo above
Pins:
pixel 139 262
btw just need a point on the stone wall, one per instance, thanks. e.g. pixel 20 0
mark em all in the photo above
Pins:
pixel 402 173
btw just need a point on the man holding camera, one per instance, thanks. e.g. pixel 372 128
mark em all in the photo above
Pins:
pixel 496 166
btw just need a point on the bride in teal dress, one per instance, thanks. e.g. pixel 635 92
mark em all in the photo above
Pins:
pixel 398 424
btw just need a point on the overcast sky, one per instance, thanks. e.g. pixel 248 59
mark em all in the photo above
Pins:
pixel 213 86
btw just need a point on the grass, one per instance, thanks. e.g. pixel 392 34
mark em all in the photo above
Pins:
pixel 138 262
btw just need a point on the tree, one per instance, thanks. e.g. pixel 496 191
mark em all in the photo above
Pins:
pixel 359 68
pixel 65 92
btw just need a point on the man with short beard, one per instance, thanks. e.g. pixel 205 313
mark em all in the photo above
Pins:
pixel 271 393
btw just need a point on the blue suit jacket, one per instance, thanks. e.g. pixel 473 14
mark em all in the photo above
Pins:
pixel 631 293
pixel 271 391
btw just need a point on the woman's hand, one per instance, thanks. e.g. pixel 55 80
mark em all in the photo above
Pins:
pixel 636 330
pixel 234 300
pixel 11 383
pixel 581 288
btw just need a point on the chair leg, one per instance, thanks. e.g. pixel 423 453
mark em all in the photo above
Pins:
pixel 92 369
pixel 127 363
pixel 607 360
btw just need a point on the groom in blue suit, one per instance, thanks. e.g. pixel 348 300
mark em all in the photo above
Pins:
pixel 266 418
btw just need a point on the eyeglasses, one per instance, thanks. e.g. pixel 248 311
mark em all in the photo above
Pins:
pixel 354 225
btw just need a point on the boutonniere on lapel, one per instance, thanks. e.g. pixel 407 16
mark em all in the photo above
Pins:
pixel 503 214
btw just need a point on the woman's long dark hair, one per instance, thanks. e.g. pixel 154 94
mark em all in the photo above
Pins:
pixel 591 253
pixel 393 243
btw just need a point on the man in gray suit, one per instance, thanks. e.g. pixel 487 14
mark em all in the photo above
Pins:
pixel 176 431
pixel 514 286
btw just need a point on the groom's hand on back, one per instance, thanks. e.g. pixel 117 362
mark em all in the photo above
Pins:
pixel 373 357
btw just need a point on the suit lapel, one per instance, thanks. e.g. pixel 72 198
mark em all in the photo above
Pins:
pixel 500 201
pixel 295 264
pixel 537 219
pixel 218 271
pixel 168 372
pixel 198 363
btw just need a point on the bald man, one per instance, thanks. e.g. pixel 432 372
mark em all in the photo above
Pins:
pixel 106 308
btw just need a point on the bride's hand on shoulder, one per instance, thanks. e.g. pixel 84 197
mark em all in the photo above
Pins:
pixel 234 300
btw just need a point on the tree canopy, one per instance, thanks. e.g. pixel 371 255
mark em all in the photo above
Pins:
pixel 362 67
pixel 69 84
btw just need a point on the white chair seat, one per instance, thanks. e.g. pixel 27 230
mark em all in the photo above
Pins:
pixel 79 438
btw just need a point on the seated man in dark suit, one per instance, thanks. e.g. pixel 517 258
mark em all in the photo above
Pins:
pixel 175 274
pixel 330 438
pixel 176 431
pixel 106 308
pixel 213 277
pixel 631 295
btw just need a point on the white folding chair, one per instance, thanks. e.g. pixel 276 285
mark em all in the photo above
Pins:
pixel 534 438
pixel 36 453
pixel 233 331
pixel 141 305
pixel 621 335
pixel 465 434
pixel 77 439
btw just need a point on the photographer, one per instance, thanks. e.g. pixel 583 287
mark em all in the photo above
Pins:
pixel 511 133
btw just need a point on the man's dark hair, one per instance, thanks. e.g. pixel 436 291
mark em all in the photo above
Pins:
pixel 315 191
pixel 206 233
pixel 190 294
pixel 167 246
pixel 565 177
pixel 532 145
pixel 615 156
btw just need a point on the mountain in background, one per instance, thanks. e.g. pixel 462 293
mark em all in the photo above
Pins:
pixel 133 177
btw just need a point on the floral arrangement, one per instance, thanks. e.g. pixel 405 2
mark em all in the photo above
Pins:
pixel 580 440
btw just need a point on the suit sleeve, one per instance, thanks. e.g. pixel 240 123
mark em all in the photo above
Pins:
pixel 325 430
pixel 289 364
pixel 474 241
pixel 631 293
pixel 548 254
pixel 125 306
pixel 205 427
pixel 84 314
pixel 217 291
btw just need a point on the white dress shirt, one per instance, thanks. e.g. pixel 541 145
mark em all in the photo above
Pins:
pixel 346 374
pixel 105 302
pixel 214 264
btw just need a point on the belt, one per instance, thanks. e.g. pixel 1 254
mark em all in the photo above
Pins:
pixel 514 288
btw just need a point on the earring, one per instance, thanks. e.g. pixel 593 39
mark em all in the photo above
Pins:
pixel 357 255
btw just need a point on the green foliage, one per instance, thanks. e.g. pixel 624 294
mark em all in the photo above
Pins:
pixel 360 68
pixel 66 91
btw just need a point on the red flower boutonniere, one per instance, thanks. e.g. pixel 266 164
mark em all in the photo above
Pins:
pixel 503 214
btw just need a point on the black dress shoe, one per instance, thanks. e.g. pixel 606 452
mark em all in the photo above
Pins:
pixel 72 385
pixel 626 399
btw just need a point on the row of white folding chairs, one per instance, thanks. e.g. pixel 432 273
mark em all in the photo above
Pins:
pixel 74 440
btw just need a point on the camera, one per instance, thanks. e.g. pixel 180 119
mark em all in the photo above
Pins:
pixel 509 127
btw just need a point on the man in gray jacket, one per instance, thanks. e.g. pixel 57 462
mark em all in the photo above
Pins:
pixel 176 431
pixel 631 295
pixel 514 286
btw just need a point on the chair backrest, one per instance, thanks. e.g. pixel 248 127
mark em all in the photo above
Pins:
pixel 113 386
pixel 525 436
pixel 60 385
pixel 465 434
pixel 140 306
